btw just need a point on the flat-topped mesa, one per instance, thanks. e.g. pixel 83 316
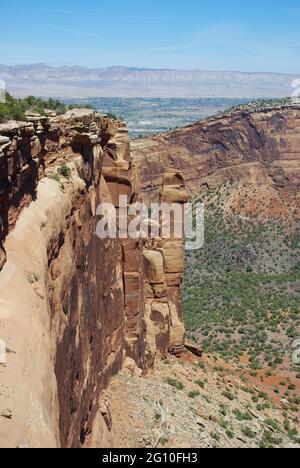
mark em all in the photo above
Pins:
pixel 95 305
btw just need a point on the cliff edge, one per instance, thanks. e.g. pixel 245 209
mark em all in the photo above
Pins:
pixel 75 309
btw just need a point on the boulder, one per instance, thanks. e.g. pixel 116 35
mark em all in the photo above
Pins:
pixel 193 348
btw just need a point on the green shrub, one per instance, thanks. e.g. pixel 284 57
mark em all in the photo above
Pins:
pixel 64 171
pixel 201 383
pixel 14 109
pixel 269 440
pixel 53 176
pixel 248 433
pixel 229 395
pixel 274 424
pixel 174 383
pixel 216 436
pixel 242 416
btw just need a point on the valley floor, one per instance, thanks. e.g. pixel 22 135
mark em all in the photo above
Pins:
pixel 186 403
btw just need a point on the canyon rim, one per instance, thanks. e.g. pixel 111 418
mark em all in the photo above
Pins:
pixel 76 310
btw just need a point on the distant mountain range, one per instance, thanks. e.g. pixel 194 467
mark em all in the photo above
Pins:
pixel 42 80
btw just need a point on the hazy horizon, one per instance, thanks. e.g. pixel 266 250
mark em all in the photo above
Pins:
pixel 248 37
pixel 124 66
pixel 44 81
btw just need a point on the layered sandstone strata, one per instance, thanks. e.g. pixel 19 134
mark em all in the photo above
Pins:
pixel 164 265
pixel 75 309
pixel 22 147
pixel 262 147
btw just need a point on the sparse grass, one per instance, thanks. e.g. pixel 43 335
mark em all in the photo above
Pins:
pixel 223 423
pixel 193 394
pixel 247 432
pixel 53 176
pixel 216 436
pixel 240 416
pixel 201 383
pixel 274 424
pixel 269 440
pixel 164 441
pixel 174 383
pixel 207 398
pixel 229 395
pixel 263 406
pixel 223 409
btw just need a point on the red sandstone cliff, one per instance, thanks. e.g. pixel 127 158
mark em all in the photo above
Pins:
pixel 260 146
pixel 75 309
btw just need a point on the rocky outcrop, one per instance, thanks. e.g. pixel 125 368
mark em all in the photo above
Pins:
pixel 22 147
pixel 74 308
pixel 163 266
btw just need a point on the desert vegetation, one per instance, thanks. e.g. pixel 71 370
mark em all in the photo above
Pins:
pixel 257 105
pixel 15 109
pixel 242 290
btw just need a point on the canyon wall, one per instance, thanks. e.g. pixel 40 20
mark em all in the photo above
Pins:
pixel 76 309
pixel 261 147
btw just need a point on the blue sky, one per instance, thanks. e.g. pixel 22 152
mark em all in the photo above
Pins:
pixel 256 35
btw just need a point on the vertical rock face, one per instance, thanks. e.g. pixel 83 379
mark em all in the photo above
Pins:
pixel 119 179
pixel 22 146
pixel 262 146
pixel 106 303
pixel 163 267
